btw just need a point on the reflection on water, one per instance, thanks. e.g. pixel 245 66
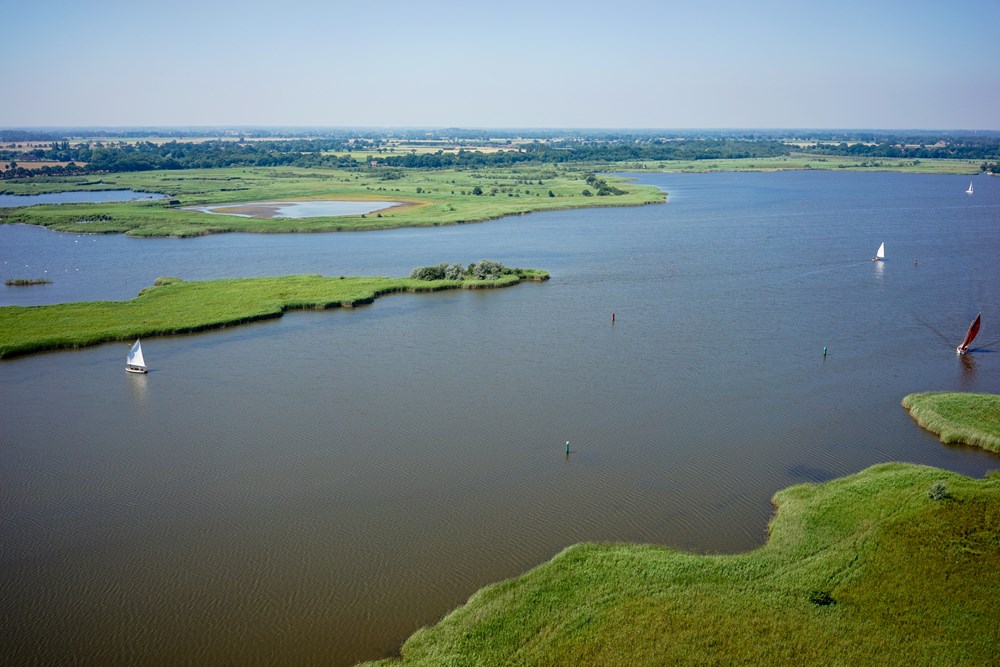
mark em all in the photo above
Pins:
pixel 139 387
pixel 311 490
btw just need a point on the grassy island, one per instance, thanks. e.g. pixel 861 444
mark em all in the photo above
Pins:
pixel 174 306
pixel 959 418
pixel 426 197
pixel 25 282
pixel 873 568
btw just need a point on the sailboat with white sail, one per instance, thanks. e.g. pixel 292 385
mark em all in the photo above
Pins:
pixel 880 253
pixel 969 191
pixel 134 363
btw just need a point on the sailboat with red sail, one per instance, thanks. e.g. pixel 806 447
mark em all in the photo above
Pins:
pixel 969 336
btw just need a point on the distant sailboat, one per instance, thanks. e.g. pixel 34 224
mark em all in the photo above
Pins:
pixel 134 363
pixel 880 254
pixel 969 336
pixel 969 191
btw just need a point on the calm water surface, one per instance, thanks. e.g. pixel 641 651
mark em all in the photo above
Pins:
pixel 82 196
pixel 311 490
pixel 297 209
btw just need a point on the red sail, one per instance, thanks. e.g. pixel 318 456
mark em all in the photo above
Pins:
pixel 971 335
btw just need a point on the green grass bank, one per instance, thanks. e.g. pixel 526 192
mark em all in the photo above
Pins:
pixel 958 418
pixel 428 197
pixel 175 306
pixel 863 570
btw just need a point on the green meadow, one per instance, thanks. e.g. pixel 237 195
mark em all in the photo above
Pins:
pixel 174 306
pixel 958 418
pixel 431 198
pixel 896 565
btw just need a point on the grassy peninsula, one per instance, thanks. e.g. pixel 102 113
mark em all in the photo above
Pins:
pixel 427 197
pixel 873 568
pixel 174 306
pixel 959 418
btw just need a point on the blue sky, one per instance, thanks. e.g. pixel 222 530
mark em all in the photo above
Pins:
pixel 511 64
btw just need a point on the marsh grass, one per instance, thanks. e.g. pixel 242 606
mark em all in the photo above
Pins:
pixel 174 306
pixel 860 570
pixel 958 418
pixel 429 198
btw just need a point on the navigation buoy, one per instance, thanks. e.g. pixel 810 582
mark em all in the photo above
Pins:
pixel 824 351
pixel 612 317
pixel 567 446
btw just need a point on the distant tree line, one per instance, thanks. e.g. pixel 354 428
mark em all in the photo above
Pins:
pixel 144 156
pixel 343 152
pixel 914 149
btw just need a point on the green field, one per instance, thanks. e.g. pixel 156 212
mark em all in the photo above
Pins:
pixel 174 306
pixel 869 569
pixel 434 197
pixel 959 418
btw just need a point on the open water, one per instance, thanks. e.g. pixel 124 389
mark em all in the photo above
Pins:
pixel 311 490
pixel 81 196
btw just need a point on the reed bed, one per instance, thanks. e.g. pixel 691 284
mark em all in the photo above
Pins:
pixel 958 418
pixel 174 306
pixel 867 569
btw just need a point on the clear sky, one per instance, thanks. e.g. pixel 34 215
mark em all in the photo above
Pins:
pixel 512 63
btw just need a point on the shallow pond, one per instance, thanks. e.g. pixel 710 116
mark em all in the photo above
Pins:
pixel 77 197
pixel 296 209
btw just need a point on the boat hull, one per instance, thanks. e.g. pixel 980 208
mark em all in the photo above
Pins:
pixel 135 369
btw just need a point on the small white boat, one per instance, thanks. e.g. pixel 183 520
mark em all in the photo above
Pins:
pixel 969 191
pixel 880 253
pixel 134 363
pixel 970 336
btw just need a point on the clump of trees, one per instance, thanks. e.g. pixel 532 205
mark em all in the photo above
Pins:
pixel 602 187
pixel 484 269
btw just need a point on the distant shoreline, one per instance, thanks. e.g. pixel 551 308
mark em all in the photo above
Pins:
pixel 428 198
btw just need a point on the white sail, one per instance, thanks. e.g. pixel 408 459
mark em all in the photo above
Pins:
pixel 969 191
pixel 134 357
pixel 881 251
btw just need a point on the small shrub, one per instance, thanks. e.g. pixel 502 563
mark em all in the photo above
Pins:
pixel 938 491
pixel 429 272
pixel 821 598
pixel 487 270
